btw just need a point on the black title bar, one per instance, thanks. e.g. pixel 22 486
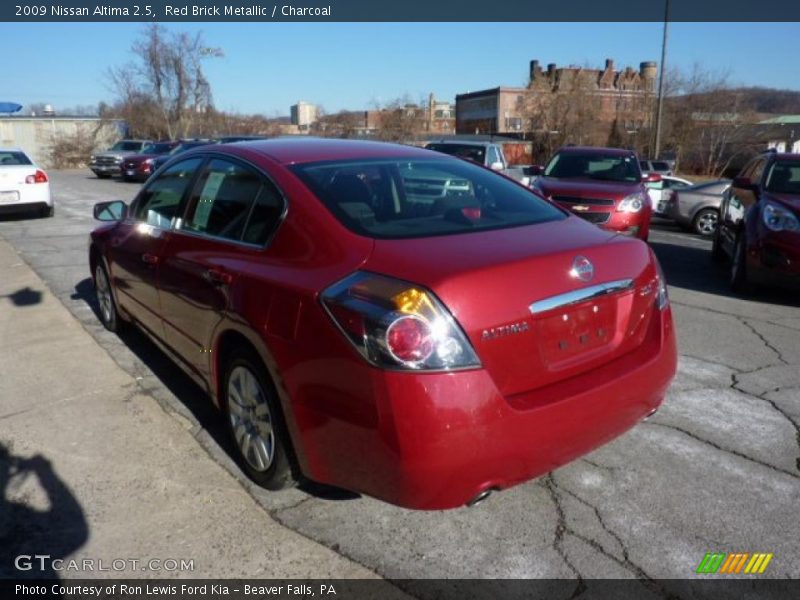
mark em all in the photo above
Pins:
pixel 401 10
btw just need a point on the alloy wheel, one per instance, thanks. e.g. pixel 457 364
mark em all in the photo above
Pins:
pixel 251 420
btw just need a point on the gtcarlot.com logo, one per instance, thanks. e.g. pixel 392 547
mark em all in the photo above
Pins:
pixel 737 563
pixel 43 562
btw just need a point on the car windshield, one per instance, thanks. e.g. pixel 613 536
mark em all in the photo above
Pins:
pixel 601 167
pixel 784 178
pixel 400 198
pixel 470 152
pixel 10 158
pixel 124 146
pixel 156 148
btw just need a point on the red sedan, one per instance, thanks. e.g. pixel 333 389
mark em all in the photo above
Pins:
pixel 387 319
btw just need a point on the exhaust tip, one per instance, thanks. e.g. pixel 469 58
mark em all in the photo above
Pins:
pixel 650 414
pixel 480 497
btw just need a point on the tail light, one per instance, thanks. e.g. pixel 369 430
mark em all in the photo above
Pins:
pixel 398 325
pixel 39 177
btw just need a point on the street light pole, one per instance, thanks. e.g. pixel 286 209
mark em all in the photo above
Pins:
pixel 660 106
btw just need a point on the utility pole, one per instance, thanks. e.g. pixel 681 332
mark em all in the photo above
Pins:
pixel 660 105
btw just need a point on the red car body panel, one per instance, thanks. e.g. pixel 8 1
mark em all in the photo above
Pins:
pixel 427 440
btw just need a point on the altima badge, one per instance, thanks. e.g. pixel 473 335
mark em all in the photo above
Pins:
pixel 582 268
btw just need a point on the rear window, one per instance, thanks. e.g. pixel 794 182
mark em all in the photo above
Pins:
pixel 420 198
pixel 10 158
pixel 661 166
pixel 601 167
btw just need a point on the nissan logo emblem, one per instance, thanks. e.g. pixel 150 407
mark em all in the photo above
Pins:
pixel 582 268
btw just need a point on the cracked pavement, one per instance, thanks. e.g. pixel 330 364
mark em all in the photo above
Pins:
pixel 716 469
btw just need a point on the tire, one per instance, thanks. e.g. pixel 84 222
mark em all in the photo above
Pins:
pixel 254 422
pixel 47 212
pixel 738 277
pixel 109 316
pixel 705 222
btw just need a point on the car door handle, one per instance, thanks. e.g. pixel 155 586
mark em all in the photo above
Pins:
pixel 150 259
pixel 218 277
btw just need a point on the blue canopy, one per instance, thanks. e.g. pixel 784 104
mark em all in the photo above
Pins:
pixel 10 107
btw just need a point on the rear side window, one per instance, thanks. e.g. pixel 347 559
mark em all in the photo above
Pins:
pixel 233 202
pixel 11 158
pixel 388 198
pixel 159 201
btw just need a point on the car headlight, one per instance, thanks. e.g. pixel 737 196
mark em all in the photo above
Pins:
pixel 777 218
pixel 92 158
pixel 633 203
pixel 148 161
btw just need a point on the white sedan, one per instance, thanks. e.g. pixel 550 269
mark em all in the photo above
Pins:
pixel 660 192
pixel 23 185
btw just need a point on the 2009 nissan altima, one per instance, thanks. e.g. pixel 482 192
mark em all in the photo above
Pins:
pixel 387 319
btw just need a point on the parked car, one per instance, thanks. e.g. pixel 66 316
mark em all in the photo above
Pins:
pixel 24 186
pixel 759 227
pixel 109 163
pixel 138 167
pixel 422 349
pixel 697 207
pixel 661 191
pixel 662 167
pixel 484 153
pixel 601 185
pixel 185 145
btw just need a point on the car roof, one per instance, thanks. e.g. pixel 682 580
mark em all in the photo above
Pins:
pixel 595 150
pixel 291 150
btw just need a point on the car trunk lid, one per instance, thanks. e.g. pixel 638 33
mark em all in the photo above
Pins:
pixel 517 294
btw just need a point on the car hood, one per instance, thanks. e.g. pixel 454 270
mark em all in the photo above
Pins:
pixel 586 188
pixel 115 154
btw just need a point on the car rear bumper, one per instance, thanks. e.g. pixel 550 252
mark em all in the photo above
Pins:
pixel 30 197
pixel 438 440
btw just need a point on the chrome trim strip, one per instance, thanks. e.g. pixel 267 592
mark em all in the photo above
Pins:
pixel 581 295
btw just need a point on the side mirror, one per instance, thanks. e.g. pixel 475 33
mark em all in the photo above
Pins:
pixel 497 166
pixel 534 170
pixel 115 210
pixel 651 177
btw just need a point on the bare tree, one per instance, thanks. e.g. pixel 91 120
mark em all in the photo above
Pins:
pixel 705 120
pixel 400 120
pixel 166 78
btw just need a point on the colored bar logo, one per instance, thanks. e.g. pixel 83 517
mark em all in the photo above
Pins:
pixel 735 563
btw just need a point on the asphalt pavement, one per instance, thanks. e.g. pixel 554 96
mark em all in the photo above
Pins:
pixel 716 470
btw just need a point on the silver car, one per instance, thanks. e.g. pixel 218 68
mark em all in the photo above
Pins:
pixel 697 207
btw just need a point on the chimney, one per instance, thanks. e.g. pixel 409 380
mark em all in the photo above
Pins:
pixel 535 70
pixel 609 64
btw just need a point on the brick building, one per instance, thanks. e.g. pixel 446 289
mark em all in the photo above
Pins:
pixel 594 100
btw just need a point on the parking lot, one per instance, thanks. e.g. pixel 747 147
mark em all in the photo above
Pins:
pixel 717 469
